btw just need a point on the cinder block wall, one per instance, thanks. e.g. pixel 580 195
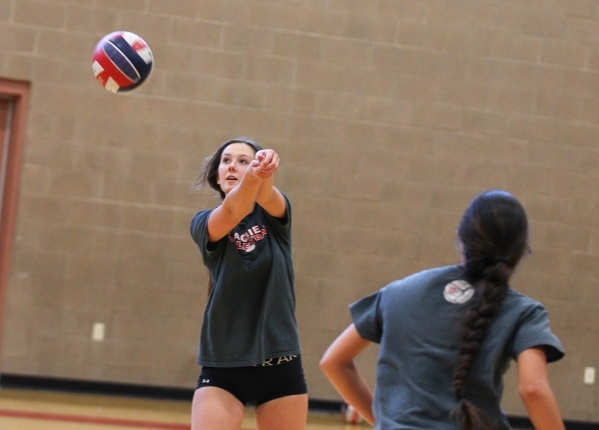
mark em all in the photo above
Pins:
pixel 389 116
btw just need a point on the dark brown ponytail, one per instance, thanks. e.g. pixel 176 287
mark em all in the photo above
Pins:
pixel 494 234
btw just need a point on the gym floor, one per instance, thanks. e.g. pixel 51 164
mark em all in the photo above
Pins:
pixel 48 410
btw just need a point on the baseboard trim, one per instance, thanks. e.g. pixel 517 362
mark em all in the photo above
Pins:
pixel 186 394
pixel 93 387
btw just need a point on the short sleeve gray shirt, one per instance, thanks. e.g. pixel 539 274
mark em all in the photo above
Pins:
pixel 250 316
pixel 418 322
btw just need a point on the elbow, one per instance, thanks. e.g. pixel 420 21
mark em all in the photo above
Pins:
pixel 332 365
pixel 328 364
pixel 324 364
pixel 533 390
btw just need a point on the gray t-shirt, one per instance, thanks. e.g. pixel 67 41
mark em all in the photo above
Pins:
pixel 250 316
pixel 418 323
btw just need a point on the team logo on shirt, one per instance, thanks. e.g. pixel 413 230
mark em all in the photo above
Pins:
pixel 458 292
pixel 247 241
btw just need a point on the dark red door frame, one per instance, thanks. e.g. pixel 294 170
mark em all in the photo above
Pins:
pixel 18 93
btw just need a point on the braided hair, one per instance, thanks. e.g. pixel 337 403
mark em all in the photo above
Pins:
pixel 494 236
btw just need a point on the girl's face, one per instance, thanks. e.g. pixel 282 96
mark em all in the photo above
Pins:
pixel 233 163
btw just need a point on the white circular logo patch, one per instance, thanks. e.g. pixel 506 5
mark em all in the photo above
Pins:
pixel 458 292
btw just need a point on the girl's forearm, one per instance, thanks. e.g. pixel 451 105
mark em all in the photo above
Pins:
pixel 350 384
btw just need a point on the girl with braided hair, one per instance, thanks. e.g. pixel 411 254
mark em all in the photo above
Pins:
pixel 447 336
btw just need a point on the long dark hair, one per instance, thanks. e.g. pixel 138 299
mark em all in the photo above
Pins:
pixel 209 172
pixel 209 175
pixel 494 236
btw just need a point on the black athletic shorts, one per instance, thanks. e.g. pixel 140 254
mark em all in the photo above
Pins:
pixel 257 384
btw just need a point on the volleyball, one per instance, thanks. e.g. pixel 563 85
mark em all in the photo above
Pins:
pixel 350 415
pixel 122 61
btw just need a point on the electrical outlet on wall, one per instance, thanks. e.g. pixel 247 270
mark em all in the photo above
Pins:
pixel 98 332
pixel 589 375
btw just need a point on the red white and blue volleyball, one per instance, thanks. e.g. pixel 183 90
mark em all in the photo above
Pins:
pixel 122 61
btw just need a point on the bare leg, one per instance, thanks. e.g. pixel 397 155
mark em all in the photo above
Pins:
pixel 289 413
pixel 215 409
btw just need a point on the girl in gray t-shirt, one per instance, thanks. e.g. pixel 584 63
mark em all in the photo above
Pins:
pixel 447 336
pixel 249 343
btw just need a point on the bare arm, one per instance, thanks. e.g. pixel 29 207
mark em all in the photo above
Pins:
pixel 339 366
pixel 269 197
pixel 533 385
pixel 238 203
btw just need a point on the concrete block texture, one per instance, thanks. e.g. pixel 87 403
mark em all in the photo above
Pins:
pixel 389 117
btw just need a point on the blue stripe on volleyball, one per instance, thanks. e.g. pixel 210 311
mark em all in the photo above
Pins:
pixel 140 65
pixel 121 61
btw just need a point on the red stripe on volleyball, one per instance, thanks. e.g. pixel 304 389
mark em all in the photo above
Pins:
pixel 111 69
pixel 138 44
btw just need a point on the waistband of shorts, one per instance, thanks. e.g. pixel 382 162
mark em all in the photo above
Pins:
pixel 277 360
